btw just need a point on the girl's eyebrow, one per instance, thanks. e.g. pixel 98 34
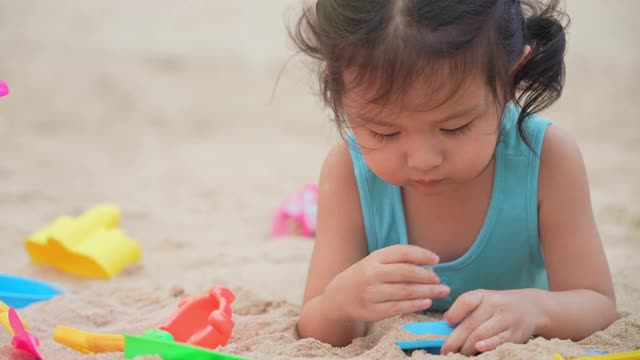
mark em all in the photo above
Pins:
pixel 454 115
pixel 458 114
pixel 375 121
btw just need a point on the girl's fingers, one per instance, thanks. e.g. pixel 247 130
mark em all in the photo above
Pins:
pixel 401 291
pixel 398 254
pixel 459 336
pixel 394 308
pixel 488 329
pixel 463 306
pixel 400 273
pixel 493 342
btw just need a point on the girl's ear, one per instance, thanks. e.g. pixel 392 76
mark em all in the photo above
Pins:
pixel 526 55
pixel 323 67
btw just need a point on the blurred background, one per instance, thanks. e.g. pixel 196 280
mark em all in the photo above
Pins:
pixel 172 112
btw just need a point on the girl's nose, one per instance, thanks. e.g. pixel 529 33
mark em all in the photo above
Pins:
pixel 424 155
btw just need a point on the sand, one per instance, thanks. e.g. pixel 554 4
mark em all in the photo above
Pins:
pixel 168 112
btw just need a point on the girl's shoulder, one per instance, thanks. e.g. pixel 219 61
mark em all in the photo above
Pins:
pixel 561 161
pixel 337 184
pixel 338 164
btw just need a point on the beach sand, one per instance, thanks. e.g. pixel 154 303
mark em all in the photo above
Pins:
pixel 169 112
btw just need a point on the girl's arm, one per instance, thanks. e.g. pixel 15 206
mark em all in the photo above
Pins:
pixel 582 300
pixel 340 242
pixel 346 286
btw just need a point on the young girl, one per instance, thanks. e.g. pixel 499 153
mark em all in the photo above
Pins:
pixel 450 193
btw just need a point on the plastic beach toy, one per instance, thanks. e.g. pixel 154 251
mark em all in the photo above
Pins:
pixel 152 342
pixel 4 318
pixel 432 346
pixel 4 89
pixel 19 292
pixel 86 342
pixel 634 355
pixel 440 328
pixel 203 321
pixel 299 211
pixel 23 339
pixel 159 342
pixel 89 245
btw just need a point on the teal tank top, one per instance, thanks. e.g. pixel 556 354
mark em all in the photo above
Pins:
pixel 506 253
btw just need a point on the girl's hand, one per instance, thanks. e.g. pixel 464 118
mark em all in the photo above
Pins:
pixel 388 282
pixel 486 319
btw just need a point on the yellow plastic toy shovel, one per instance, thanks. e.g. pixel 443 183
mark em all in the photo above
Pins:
pixel 88 245
pixel 152 342
pixel 634 355
pixel 86 342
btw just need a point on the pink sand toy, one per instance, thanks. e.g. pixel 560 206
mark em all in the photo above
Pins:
pixel 297 215
pixel 23 339
pixel 4 89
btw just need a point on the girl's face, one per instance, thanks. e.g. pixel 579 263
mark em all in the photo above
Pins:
pixel 434 150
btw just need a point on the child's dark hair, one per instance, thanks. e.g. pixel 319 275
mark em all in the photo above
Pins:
pixel 390 43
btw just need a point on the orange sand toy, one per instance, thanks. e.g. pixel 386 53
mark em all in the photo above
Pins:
pixel 203 320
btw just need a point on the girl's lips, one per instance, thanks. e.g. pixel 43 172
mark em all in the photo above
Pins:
pixel 429 183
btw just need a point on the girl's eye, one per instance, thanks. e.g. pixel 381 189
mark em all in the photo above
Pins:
pixel 383 137
pixel 459 130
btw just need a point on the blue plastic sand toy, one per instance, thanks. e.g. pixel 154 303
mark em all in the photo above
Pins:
pixel 19 292
pixel 439 328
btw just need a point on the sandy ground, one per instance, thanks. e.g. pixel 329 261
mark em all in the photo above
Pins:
pixel 167 111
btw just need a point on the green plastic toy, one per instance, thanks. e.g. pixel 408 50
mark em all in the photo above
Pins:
pixel 161 343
